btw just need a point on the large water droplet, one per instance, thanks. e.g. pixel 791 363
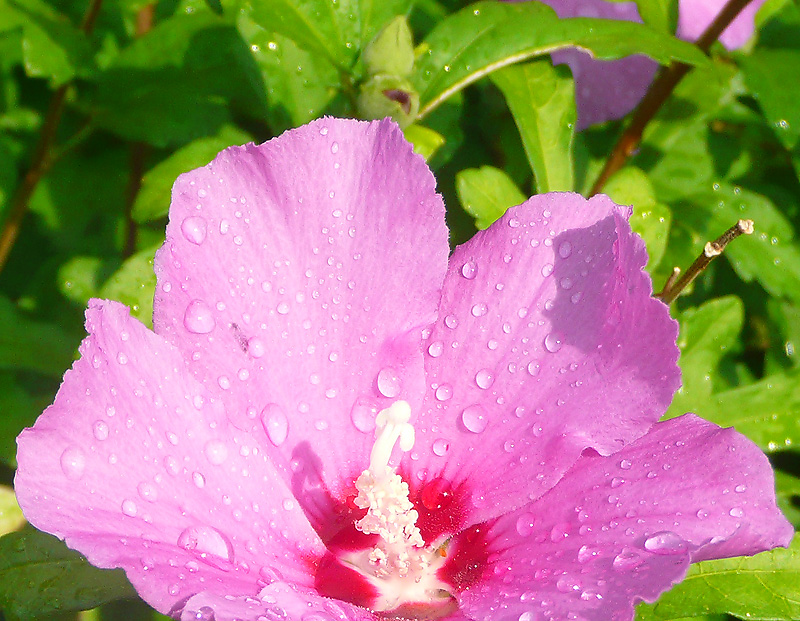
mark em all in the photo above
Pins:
pixel 363 415
pixel 627 560
pixel 440 447
pixel 564 249
pixel 469 270
pixel 129 508
pixel 194 229
pixel 444 392
pixel 100 430
pixel 73 463
pixel 436 494
pixel 560 531
pixel 479 310
pixel 204 613
pixel 665 542
pixel 209 544
pixel 256 347
pixel 474 418
pixel 275 423
pixel 436 349
pixel 147 491
pixel 389 382
pixel 216 452
pixel 198 318
pixel 526 524
pixel 484 379
pixel 553 342
pixel 587 553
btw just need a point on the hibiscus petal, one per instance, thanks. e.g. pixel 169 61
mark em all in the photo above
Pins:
pixel 297 275
pixel 276 601
pixel 548 342
pixel 135 466
pixel 694 16
pixel 625 527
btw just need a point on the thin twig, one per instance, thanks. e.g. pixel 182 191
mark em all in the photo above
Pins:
pixel 41 160
pixel 657 94
pixel 712 250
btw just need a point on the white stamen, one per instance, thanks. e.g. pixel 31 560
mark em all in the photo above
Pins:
pixel 400 565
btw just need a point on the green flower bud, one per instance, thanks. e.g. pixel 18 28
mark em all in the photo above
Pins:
pixel 391 51
pixel 387 95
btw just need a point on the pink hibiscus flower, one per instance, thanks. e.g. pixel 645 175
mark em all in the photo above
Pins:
pixel 606 90
pixel 311 333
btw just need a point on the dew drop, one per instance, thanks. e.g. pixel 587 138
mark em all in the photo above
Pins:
pixel 474 418
pixel 194 229
pixel 479 310
pixel 560 531
pixel 129 508
pixel 100 430
pixel 526 524
pixel 282 308
pixel 451 321
pixel 147 491
pixel 627 560
pixel 736 512
pixel 625 464
pixel 587 553
pixel 440 447
pixel 436 349
pixel 204 613
pixel 553 342
pixel 665 542
pixel 275 423
pixel 334 148
pixel 388 382
pixel 363 414
pixel 469 270
pixel 208 543
pixel 740 488
pixel 444 392
pixel 73 463
pixel 256 347
pixel 216 452
pixel 436 494
pixel 198 318
pixel 564 249
pixel 547 269
pixel 534 368
pixel 199 480
pixel 484 379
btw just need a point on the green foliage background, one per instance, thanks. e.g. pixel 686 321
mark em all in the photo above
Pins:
pixel 141 92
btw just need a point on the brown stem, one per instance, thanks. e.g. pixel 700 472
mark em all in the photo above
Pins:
pixel 138 153
pixel 41 160
pixel 657 94
pixel 712 250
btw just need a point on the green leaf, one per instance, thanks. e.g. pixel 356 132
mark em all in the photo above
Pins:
pixel 661 15
pixel 300 84
pixel 40 575
pixel 153 199
pixel 650 219
pixel 184 79
pixel 769 256
pixel 335 30
pixel 32 345
pixel 542 100
pixel 425 140
pixel 18 409
pixel 787 488
pixel 486 193
pixel 52 47
pixel 760 587
pixel 767 411
pixel 487 36
pixel 11 517
pixel 134 284
pixel 772 76
pixel 707 333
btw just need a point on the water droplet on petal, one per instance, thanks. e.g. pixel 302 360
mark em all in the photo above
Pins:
pixel 547 269
pixel 479 310
pixel 444 392
pixel 73 463
pixel 553 342
pixel 256 347
pixel 147 491
pixel 469 270
pixel 451 321
pixel 363 415
pixel 736 512
pixel 334 147
pixel 484 379
pixel 560 531
pixel 275 423
pixel 587 553
pixel 625 464
pixel 740 488
pixel 389 382
pixel 204 613
pixel 474 418
pixel 440 447
pixel 207 543
pixel 525 524
pixel 199 480
pixel 216 452
pixel 100 430
pixel 129 508
pixel 436 349
pixel 436 494
pixel 198 318
pixel 665 542
pixel 194 229
pixel 564 249
pixel 627 560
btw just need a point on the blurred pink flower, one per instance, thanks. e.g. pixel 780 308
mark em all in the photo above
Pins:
pixel 226 459
pixel 606 90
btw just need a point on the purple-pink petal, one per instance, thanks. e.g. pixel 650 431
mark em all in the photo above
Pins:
pixel 607 90
pixel 548 342
pixel 136 466
pixel 297 277
pixel 625 527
